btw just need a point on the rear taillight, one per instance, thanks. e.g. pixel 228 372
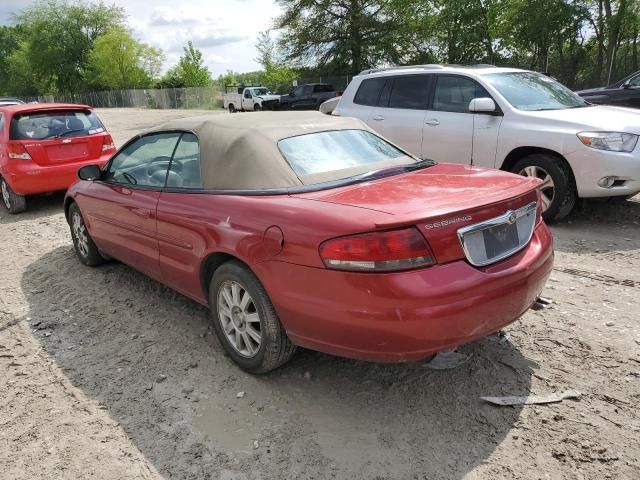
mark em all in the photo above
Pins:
pixel 378 251
pixel 107 144
pixel 17 151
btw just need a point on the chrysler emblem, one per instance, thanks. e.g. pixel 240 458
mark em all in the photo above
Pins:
pixel 511 219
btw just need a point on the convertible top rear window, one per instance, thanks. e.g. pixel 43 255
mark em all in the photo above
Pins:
pixel 335 150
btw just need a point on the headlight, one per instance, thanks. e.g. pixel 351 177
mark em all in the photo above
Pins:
pixel 612 141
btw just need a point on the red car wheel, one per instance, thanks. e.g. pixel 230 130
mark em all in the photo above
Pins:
pixel 246 322
pixel 15 203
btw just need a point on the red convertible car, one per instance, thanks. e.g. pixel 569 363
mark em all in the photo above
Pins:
pixel 311 230
pixel 42 145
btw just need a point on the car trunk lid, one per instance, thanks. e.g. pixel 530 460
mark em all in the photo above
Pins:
pixel 55 137
pixel 439 200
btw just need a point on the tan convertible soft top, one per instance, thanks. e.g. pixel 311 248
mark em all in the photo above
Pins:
pixel 240 152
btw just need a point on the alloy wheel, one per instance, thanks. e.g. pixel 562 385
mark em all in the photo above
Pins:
pixel 5 194
pixel 239 319
pixel 80 234
pixel 547 187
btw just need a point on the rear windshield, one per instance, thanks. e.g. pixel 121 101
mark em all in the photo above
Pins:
pixel 336 150
pixel 54 124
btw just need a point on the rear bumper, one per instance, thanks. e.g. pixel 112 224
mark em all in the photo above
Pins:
pixel 406 316
pixel 26 177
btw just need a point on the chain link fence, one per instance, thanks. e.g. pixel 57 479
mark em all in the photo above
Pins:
pixel 205 98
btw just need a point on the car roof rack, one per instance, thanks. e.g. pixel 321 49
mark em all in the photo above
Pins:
pixel 431 66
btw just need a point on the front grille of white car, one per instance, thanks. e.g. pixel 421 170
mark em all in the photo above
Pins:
pixel 500 237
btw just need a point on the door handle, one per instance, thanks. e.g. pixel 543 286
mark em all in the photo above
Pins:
pixel 432 123
pixel 378 118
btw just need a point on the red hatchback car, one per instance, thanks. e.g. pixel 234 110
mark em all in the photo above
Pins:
pixel 43 145
pixel 311 230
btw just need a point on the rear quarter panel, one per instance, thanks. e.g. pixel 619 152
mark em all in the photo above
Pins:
pixel 193 226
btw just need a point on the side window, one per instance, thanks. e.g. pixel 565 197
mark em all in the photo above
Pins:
pixel 635 81
pixel 1 122
pixel 323 88
pixel 308 90
pixel 409 92
pixel 369 91
pixel 453 94
pixel 247 94
pixel 185 166
pixel 298 91
pixel 144 163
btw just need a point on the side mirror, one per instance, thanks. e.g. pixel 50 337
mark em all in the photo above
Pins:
pixel 483 105
pixel 292 93
pixel 89 173
pixel 626 85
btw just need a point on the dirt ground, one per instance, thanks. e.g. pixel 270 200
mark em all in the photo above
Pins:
pixel 105 374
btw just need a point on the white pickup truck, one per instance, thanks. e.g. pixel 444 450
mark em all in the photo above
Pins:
pixel 248 99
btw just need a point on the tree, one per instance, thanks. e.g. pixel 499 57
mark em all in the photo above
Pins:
pixel 347 35
pixel 58 37
pixel 119 61
pixel 190 70
pixel 9 43
pixel 277 76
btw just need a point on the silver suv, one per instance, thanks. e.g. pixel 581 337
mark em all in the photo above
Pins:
pixel 506 118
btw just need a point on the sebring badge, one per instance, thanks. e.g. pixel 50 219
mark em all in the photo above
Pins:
pixel 448 221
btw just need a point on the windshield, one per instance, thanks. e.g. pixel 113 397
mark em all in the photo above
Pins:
pixel 322 152
pixel 43 125
pixel 534 91
pixel 260 91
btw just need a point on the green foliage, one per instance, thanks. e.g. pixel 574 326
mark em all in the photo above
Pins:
pixel 118 61
pixel 190 71
pixel 57 38
pixel 9 43
pixel 349 35
pixel 71 46
pixel 581 42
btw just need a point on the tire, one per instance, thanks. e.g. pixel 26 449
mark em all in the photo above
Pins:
pixel 257 108
pixel 232 108
pixel 560 195
pixel 85 248
pixel 13 202
pixel 229 285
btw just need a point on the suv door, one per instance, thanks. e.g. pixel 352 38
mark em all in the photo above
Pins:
pixel 121 207
pixel 628 96
pixel 449 133
pixel 398 113
pixel 304 99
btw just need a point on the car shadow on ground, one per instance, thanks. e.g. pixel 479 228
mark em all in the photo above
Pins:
pixel 148 356
pixel 38 206
pixel 612 225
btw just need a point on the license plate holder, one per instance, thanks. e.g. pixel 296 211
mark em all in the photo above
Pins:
pixel 500 238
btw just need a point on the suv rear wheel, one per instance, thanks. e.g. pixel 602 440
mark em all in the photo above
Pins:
pixel 15 203
pixel 558 190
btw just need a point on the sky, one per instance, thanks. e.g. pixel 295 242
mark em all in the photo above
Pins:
pixel 224 30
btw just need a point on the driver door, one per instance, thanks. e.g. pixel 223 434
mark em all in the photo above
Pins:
pixel 247 100
pixel 121 206
pixel 628 96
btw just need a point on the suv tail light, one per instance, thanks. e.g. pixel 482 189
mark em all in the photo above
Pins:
pixel 387 251
pixel 107 144
pixel 16 151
